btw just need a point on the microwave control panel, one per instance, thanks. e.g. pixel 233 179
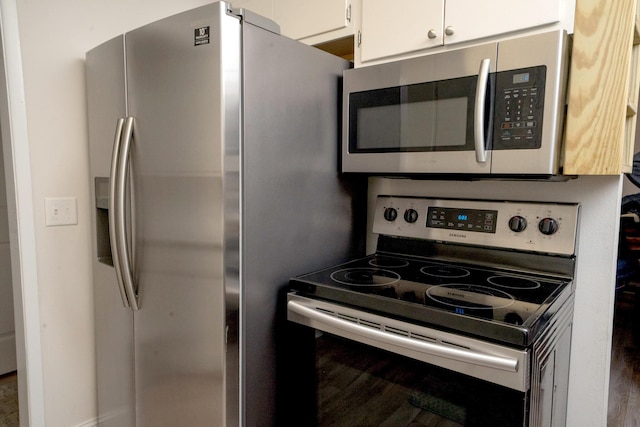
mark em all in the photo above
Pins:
pixel 519 108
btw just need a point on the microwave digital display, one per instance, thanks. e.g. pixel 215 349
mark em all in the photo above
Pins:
pixel 521 78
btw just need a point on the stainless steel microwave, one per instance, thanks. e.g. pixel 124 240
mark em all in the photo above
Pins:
pixel 491 109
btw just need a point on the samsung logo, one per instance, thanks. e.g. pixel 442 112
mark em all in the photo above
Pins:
pixel 453 294
pixel 464 236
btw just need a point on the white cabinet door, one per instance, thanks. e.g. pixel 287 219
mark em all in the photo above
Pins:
pixel 261 7
pixel 303 19
pixel 390 27
pixel 470 20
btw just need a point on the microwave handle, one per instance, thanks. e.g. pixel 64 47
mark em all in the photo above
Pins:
pixel 478 123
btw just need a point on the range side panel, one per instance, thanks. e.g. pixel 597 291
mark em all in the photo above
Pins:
pixel 106 100
pixel 297 212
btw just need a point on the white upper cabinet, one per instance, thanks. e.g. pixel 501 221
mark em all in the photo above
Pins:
pixel 469 20
pixel 261 7
pixel 386 30
pixel 389 27
pixel 314 21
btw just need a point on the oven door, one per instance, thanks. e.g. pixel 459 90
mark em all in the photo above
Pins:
pixel 370 370
pixel 424 115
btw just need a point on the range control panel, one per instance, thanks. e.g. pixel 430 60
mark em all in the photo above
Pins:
pixel 530 226
pixel 476 220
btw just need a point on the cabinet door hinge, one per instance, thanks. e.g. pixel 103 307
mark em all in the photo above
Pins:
pixel 359 38
pixel 349 13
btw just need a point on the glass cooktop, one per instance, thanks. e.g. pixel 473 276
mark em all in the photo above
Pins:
pixel 491 303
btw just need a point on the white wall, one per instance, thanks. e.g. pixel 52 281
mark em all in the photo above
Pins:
pixel 54 37
pixel 595 270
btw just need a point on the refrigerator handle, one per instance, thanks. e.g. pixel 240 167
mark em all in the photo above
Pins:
pixel 122 246
pixel 113 190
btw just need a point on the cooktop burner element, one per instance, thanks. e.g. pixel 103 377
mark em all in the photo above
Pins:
pixel 388 262
pixel 363 276
pixel 512 282
pixel 491 281
pixel 445 271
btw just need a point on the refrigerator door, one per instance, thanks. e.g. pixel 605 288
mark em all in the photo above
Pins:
pixel 297 210
pixel 184 84
pixel 114 322
pixel 232 182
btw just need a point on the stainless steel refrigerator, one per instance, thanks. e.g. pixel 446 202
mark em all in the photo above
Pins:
pixel 213 144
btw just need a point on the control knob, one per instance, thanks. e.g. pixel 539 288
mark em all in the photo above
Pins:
pixel 513 318
pixel 517 223
pixel 411 216
pixel 548 226
pixel 390 214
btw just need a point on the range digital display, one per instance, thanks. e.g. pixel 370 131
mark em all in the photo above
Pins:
pixel 479 221
pixel 461 307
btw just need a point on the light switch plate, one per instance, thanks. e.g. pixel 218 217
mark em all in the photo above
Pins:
pixel 61 211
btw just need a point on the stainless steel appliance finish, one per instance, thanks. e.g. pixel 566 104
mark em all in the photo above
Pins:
pixel 435 220
pixel 480 288
pixel 223 166
pixel 492 109
pixel 501 365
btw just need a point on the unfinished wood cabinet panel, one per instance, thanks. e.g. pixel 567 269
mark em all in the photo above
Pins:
pixel 603 81
pixel 341 47
pixel 632 101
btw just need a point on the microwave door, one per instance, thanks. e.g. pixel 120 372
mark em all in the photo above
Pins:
pixel 424 115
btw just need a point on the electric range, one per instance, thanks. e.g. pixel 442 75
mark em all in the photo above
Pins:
pixel 488 269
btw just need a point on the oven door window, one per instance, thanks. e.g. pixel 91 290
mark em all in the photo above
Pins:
pixel 358 385
pixel 432 116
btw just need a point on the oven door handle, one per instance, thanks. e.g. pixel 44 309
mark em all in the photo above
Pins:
pixel 434 349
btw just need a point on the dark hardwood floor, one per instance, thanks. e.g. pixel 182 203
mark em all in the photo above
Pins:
pixel 9 400
pixel 624 384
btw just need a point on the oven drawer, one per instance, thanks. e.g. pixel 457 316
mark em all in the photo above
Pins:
pixel 500 365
